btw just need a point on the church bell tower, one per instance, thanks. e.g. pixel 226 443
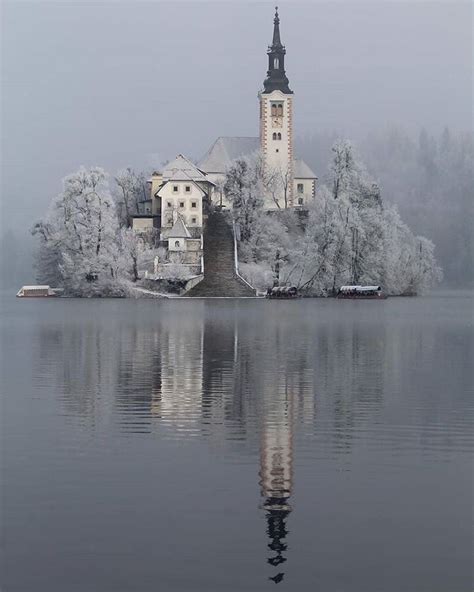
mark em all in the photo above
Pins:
pixel 276 124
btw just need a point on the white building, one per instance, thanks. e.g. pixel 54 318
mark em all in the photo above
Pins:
pixel 185 188
pixel 295 181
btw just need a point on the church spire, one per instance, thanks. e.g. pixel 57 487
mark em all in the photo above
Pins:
pixel 276 30
pixel 276 78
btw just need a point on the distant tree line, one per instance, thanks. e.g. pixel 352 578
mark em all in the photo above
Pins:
pixel 431 180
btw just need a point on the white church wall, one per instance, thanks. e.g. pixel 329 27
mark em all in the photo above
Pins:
pixel 303 190
pixel 156 181
pixel 276 137
pixel 142 224
pixel 176 245
pixel 184 197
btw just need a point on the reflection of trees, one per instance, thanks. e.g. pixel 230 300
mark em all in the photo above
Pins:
pixel 210 368
pixel 136 373
pixel 76 360
pixel 348 378
pixel 139 378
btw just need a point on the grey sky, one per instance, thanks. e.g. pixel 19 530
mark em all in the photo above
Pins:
pixel 112 83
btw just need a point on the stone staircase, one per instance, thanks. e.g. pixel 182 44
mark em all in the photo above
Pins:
pixel 220 278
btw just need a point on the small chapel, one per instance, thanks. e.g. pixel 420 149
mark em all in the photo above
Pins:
pixel 181 192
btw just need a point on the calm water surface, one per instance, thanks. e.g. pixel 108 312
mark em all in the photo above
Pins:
pixel 237 445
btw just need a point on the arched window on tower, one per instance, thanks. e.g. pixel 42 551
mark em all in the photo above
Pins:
pixel 279 136
pixel 280 110
pixel 276 64
pixel 274 110
pixel 274 136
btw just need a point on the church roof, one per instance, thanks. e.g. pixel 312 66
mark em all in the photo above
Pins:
pixel 225 150
pixel 301 170
pixel 179 229
pixel 182 169
pixel 276 78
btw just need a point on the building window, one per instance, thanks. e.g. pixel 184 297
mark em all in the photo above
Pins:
pixel 276 63
pixel 277 150
pixel 188 189
pixel 193 220
pixel 194 204
pixel 300 187
pixel 176 243
pixel 181 204
pixel 279 136
pixel 169 204
pixel 277 110
pixel 300 201
pixel 175 188
pixel 274 136
pixel 169 220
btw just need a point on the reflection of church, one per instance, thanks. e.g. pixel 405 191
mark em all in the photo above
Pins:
pixel 202 360
pixel 237 380
pixel 180 193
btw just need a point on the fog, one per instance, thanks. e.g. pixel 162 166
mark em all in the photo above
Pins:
pixel 133 83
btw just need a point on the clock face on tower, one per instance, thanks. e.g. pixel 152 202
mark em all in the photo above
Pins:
pixel 277 122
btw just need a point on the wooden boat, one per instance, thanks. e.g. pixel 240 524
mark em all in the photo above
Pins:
pixel 286 292
pixel 361 293
pixel 37 292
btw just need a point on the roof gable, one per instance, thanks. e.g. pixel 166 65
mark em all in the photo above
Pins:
pixel 225 150
pixel 301 170
pixel 182 169
pixel 179 229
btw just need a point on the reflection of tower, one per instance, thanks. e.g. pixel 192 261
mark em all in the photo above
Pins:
pixel 276 468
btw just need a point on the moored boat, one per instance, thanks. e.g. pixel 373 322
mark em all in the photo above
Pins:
pixel 282 292
pixel 37 292
pixel 361 293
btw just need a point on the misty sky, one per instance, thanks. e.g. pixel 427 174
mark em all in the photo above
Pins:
pixel 133 83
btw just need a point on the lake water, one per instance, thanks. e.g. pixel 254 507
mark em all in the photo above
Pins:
pixel 237 445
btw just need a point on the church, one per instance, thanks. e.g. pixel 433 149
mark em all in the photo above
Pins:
pixel 180 194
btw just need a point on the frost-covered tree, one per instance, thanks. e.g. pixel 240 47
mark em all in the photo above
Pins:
pixel 130 193
pixel 349 237
pixel 276 182
pixel 79 246
pixel 409 264
pixel 245 188
pixel 343 168
pixel 132 248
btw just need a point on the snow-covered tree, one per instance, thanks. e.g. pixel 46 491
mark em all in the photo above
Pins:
pixel 409 264
pixel 79 241
pixel 349 237
pixel 130 193
pixel 245 189
pixel 132 247
pixel 343 168
pixel 276 183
